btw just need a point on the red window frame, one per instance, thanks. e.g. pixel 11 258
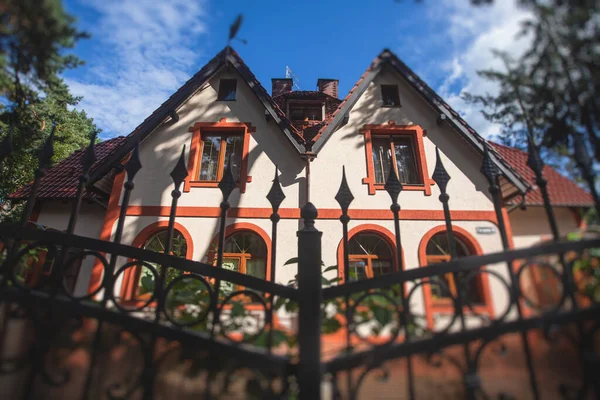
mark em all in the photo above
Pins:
pixel 445 306
pixel 416 133
pixel 224 128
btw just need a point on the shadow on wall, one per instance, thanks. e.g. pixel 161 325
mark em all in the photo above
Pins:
pixel 368 110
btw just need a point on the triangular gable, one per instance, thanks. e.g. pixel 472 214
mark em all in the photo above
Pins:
pixel 227 56
pixel 452 117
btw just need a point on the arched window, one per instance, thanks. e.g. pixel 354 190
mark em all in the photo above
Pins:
pixel 246 252
pixel 158 242
pixel 438 251
pixel 369 255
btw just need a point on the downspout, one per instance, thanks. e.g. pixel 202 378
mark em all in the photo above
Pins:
pixel 308 157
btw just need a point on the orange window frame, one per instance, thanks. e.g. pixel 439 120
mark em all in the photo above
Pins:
pixel 242 257
pixel 445 306
pixel 223 128
pixel 132 276
pixel 415 133
pixel 369 262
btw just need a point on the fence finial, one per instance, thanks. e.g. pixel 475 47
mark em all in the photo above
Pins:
pixel 275 195
pixel 393 185
pixel 227 183
pixel 47 150
pixel 344 196
pixel 309 214
pixel 133 164
pixel 440 175
pixel 89 158
pixel 488 168
pixel 180 171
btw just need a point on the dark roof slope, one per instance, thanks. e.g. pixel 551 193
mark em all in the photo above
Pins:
pixel 428 94
pixel 61 181
pixel 562 190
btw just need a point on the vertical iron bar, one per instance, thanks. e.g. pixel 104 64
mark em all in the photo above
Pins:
pixel 441 178
pixel 394 188
pixel 584 162
pixel 309 302
pixel 537 165
pixel 45 156
pixel 492 173
pixel 87 160
pixel 226 185
pixel 344 197
pixel 275 197
pixel 40 343
pixel 178 174
pixel 132 167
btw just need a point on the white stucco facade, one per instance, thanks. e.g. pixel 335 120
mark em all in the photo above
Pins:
pixel 268 147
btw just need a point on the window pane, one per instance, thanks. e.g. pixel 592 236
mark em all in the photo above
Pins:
pixel 210 158
pixel 301 112
pixel 158 243
pixel 381 267
pixel 232 264
pixel 233 154
pixel 439 246
pixel 405 161
pixel 227 89
pixel 389 95
pixel 256 267
pixel 438 290
pixel 381 158
pixel 357 270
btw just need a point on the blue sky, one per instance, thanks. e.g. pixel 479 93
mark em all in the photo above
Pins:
pixel 142 51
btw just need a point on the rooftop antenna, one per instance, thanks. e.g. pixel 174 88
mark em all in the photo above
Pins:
pixel 289 74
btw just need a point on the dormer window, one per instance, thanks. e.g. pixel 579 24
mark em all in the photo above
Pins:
pixel 227 89
pixel 306 111
pixel 390 96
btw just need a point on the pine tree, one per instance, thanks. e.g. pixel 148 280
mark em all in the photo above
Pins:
pixel 34 38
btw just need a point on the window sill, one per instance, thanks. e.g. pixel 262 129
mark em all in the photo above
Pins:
pixel 446 307
pixel 373 187
pixel 214 184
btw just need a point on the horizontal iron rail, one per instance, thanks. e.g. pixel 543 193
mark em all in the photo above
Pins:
pixel 462 264
pixel 182 264
pixel 247 354
pixel 380 354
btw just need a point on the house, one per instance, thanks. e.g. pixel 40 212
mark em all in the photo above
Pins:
pixel 223 114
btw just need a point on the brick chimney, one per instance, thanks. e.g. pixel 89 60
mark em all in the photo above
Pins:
pixel 281 86
pixel 328 86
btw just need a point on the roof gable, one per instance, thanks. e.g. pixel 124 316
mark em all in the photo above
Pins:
pixel 227 56
pixel 387 58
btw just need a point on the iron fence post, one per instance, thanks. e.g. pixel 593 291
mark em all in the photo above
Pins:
pixel 309 304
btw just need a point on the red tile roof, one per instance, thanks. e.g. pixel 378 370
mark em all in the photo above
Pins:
pixel 61 181
pixel 562 190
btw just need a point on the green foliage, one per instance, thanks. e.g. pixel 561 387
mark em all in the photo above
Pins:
pixel 34 37
pixel 551 90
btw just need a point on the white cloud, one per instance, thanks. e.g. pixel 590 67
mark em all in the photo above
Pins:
pixel 473 33
pixel 145 50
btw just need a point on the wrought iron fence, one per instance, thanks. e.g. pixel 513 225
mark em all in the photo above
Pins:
pixel 221 343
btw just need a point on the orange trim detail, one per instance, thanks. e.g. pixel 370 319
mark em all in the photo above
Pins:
pixel 430 307
pixel 132 275
pixel 111 216
pixel 417 133
pixel 324 213
pixel 364 228
pixel 196 151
